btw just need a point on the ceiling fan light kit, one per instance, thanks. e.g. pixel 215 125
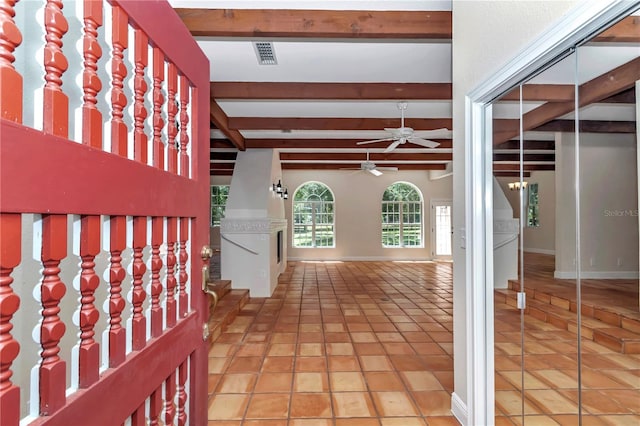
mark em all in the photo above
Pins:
pixel 402 134
pixel 370 166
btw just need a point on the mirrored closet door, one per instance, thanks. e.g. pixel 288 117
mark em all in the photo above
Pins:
pixel 565 164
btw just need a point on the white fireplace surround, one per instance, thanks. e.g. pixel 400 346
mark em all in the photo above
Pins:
pixel 250 248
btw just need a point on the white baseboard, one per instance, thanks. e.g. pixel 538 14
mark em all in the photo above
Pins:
pixel 541 251
pixel 597 275
pixel 459 409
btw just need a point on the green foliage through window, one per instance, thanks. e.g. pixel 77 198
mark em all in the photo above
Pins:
pixel 219 194
pixel 401 216
pixel 313 216
pixel 533 209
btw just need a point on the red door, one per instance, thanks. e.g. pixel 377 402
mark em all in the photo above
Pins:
pixel 104 177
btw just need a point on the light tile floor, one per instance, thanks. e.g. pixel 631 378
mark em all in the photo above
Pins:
pixel 370 343
pixel 610 380
pixel 340 344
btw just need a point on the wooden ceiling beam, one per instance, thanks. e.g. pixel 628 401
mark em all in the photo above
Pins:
pixel 608 84
pixel 221 172
pixel 221 121
pixel 561 93
pixel 526 157
pixel 542 93
pixel 526 167
pixel 527 145
pixel 501 173
pixel 625 31
pixel 313 123
pixel 330 143
pixel 271 23
pixel 223 156
pixel 221 166
pixel 355 156
pixel 359 91
pixel 338 166
pixel 588 126
pixel 221 144
pixel 625 97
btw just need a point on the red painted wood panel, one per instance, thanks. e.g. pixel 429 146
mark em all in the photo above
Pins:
pixel 141 57
pixel 89 354
pixel 184 129
pixel 119 42
pixel 10 250
pixel 52 290
pixel 138 294
pixel 100 183
pixel 56 102
pixel 172 238
pixel 10 79
pixel 158 101
pixel 91 84
pixel 74 189
pixel 182 394
pixel 157 225
pixel 169 397
pixel 117 273
pixel 155 407
pixel 183 275
pixel 172 114
pixel 113 407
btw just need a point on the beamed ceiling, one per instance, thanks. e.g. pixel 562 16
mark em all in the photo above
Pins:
pixel 340 74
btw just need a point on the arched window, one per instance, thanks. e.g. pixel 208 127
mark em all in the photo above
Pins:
pixel 313 216
pixel 402 216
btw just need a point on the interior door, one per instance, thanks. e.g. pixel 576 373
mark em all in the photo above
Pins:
pixel 441 229
pixel 104 181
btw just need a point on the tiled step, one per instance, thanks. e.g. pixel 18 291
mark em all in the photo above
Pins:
pixel 221 287
pixel 614 337
pixel 618 317
pixel 227 309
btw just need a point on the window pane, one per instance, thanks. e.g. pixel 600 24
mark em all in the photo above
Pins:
pixel 401 216
pixel 443 230
pixel 313 216
pixel 219 195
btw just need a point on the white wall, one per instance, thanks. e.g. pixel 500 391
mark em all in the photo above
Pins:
pixel 486 34
pixel 608 206
pixel 358 197
pixel 250 196
pixel 541 239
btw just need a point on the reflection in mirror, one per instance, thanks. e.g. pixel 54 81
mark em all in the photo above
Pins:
pixel 571 357
pixel 533 208
pixel 607 194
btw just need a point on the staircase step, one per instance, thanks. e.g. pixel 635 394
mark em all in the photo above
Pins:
pixel 221 287
pixel 622 336
pixel 226 311
pixel 618 339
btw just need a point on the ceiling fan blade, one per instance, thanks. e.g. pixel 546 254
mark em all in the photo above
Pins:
pixel 393 146
pixel 436 133
pixel 374 141
pixel 424 142
pixel 388 169
pixel 375 172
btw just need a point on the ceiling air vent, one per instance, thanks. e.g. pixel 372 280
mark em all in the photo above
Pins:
pixel 266 54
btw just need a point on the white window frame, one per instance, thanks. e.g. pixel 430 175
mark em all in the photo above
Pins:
pixel 314 213
pixel 581 23
pixel 400 214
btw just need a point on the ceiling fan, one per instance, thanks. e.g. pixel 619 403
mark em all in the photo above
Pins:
pixel 370 166
pixel 403 134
